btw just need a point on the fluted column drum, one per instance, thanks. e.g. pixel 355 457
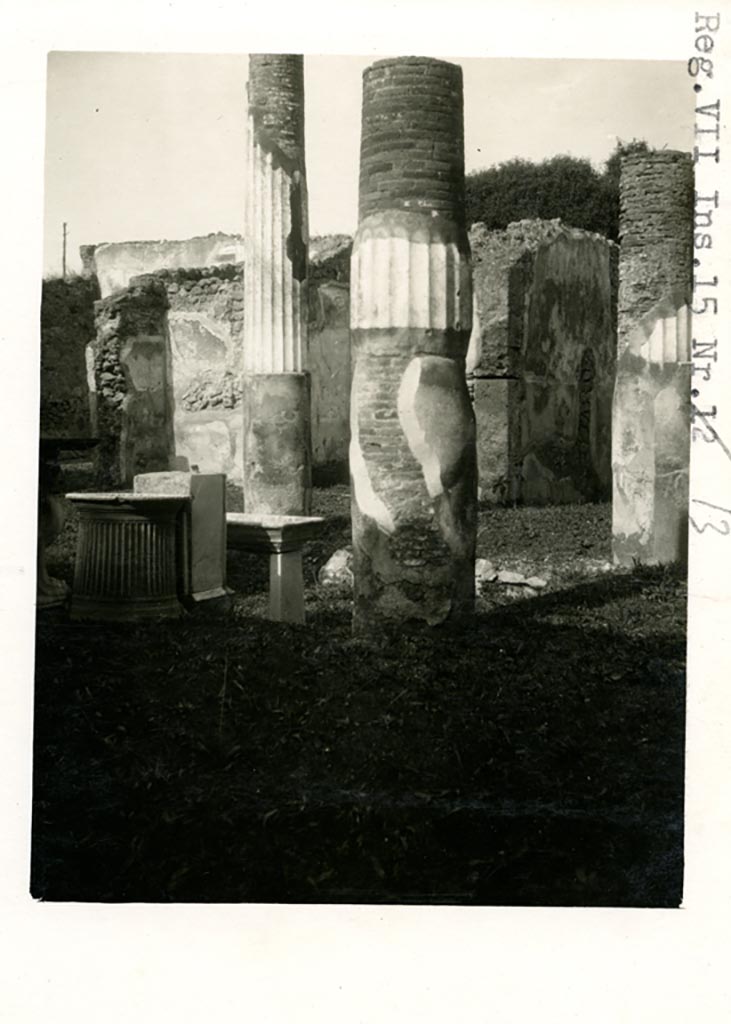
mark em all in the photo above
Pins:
pixel 127 558
pixel 412 451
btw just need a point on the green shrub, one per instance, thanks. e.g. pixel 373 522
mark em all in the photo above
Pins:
pixel 562 186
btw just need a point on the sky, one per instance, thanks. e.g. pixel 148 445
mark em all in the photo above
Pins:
pixel 149 145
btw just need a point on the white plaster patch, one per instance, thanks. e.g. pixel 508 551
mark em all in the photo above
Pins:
pixel 196 338
pixel 474 349
pixel 142 358
pixel 420 448
pixel 369 503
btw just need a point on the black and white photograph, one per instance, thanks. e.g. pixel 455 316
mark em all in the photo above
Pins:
pixel 378 492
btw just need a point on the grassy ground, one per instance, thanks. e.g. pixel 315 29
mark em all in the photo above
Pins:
pixel 535 757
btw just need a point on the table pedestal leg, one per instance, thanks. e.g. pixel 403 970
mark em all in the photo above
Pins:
pixel 286 587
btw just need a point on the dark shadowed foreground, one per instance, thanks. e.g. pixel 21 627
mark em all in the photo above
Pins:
pixel 534 758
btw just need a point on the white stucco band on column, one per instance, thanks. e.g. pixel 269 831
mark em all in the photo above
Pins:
pixel 409 271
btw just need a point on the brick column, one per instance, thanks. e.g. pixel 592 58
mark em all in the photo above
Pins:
pixel 277 446
pixel 650 422
pixel 412 451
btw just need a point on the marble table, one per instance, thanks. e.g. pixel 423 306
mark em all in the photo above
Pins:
pixel 282 538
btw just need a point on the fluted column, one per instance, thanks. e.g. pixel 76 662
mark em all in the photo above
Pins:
pixel 651 409
pixel 277 446
pixel 412 450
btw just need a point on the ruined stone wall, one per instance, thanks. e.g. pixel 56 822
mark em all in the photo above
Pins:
pixel 651 409
pixel 205 322
pixel 67 326
pixel 116 263
pixel 329 359
pixel 330 259
pixel 542 360
pixel 329 362
pixel 131 363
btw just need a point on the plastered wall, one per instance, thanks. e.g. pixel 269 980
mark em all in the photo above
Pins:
pixel 116 263
pixel 542 362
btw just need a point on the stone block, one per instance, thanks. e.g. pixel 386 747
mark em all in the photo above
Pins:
pixel 507 576
pixel 543 320
pixel 485 572
pixel 203 532
pixel 338 570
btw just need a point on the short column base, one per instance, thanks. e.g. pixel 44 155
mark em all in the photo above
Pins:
pixel 277 444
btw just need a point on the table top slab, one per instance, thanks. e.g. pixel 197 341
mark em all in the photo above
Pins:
pixel 251 532
pixel 123 497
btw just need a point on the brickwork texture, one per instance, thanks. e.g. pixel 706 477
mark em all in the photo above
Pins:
pixel 412 449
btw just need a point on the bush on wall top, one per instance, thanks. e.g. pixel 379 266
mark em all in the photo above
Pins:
pixel 564 187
